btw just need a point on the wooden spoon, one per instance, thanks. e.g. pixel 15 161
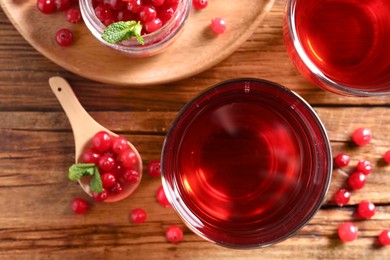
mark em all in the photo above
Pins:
pixel 84 127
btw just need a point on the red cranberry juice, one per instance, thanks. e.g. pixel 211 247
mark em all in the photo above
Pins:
pixel 348 40
pixel 238 166
pixel 246 157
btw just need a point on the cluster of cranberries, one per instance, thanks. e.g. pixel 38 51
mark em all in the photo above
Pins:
pixel 64 36
pixel 153 14
pixel 117 163
pixel 348 231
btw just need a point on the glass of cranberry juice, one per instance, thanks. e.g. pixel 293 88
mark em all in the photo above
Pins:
pixel 341 45
pixel 246 163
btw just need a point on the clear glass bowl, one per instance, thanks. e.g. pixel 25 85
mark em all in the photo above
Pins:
pixel 155 42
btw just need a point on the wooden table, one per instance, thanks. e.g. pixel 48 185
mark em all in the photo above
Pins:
pixel 37 148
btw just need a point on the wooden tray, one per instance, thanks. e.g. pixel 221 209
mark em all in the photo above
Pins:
pixel 196 50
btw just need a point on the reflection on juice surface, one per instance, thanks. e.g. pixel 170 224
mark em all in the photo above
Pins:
pixel 246 163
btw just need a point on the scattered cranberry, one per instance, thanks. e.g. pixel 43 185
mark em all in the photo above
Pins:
pixel 46 6
pixel 362 136
pixel 342 197
pixel 174 234
pixel 108 180
pixel 132 176
pixel 100 197
pixel 90 156
pixel 366 209
pixel 386 156
pixel 161 197
pixel 218 25
pixel 347 232
pixel 102 141
pixel 119 144
pixel 341 160
pixel 138 216
pixel 200 4
pixel 357 180
pixel 64 37
pixel 106 163
pixel 73 15
pixel 384 238
pixel 154 169
pixel 127 158
pixel 62 5
pixel 364 167
pixel 79 206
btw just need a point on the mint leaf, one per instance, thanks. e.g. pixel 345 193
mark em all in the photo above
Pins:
pixel 120 31
pixel 78 170
pixel 96 183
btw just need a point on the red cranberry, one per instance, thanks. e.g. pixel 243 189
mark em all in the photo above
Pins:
pixel 125 15
pixel 100 197
pixel 364 167
pixel 118 170
pixel 341 160
pixel 153 25
pixel 199 4
pixel 357 180
pixel 62 5
pixel 106 163
pixel 119 144
pixel 108 180
pixel 384 238
pixel 347 232
pixel 174 234
pixel 135 6
pixel 172 2
pixel 148 13
pixel 138 216
pixel 79 206
pixel 157 3
pixel 46 6
pixel 109 21
pixel 366 209
pixel 103 12
pixel 154 169
pixel 73 15
pixel 64 37
pixel 361 136
pixel 386 156
pixel 132 176
pixel 116 188
pixel 161 197
pixel 90 156
pixel 115 4
pixel 342 197
pixel 165 14
pixel 101 141
pixel 218 25
pixel 128 159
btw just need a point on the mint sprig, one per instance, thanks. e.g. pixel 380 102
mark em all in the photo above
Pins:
pixel 120 31
pixel 78 170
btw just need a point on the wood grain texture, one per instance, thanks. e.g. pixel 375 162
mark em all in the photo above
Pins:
pixel 37 147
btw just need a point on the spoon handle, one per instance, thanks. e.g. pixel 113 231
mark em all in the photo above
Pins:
pixel 83 125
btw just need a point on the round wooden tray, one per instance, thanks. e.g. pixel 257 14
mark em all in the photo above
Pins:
pixel 196 49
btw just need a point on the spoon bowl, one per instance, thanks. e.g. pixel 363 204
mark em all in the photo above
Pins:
pixel 84 127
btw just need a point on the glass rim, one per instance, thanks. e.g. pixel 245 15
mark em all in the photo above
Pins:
pixel 186 215
pixel 336 87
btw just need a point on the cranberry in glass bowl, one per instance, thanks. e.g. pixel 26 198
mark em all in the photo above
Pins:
pixel 161 24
